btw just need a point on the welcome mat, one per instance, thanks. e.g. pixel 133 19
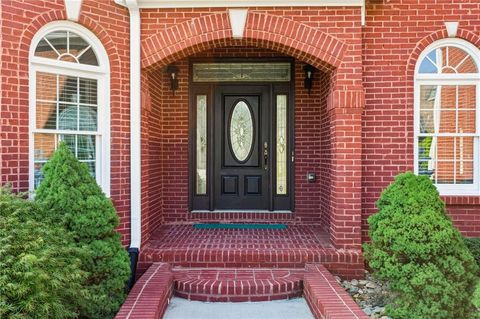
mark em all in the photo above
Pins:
pixel 240 226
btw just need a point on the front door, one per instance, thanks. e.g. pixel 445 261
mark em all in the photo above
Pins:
pixel 241 152
pixel 242 142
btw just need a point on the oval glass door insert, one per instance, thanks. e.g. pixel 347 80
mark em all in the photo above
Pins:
pixel 241 131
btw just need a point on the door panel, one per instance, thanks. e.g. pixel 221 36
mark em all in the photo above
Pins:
pixel 242 137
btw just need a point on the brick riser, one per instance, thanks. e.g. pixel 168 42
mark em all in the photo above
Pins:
pixel 238 285
pixel 346 263
pixel 182 245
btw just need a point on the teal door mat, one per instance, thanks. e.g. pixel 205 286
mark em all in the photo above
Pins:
pixel 240 226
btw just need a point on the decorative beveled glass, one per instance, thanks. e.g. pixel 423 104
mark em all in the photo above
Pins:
pixel 242 72
pixel 241 131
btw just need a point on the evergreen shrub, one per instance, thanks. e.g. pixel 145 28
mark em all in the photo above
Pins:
pixel 73 198
pixel 39 269
pixel 415 247
pixel 473 245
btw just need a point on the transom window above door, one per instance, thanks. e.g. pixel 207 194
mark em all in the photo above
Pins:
pixel 242 72
pixel 446 117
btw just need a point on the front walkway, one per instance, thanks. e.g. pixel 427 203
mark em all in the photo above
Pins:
pixel 183 245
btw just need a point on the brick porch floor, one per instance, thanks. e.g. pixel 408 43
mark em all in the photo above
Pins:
pixel 182 245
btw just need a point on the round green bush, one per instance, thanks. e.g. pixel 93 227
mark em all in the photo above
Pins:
pixel 73 199
pixel 415 247
pixel 39 269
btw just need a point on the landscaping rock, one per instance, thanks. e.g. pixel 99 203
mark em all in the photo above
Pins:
pixel 370 294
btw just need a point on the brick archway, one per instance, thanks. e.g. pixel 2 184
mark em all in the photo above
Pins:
pixel 283 35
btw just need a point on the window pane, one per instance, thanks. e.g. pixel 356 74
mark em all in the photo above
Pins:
pixel 88 91
pixel 45 50
pixel 46 115
pixel 44 146
pixel 37 172
pixel 59 41
pixel 201 176
pixel 445 172
pixel 447 121
pixel 86 147
pixel 467 96
pixel 427 121
pixel 67 117
pixel 88 57
pixel 281 147
pixel 464 147
pixel 466 121
pixel 68 89
pixel 46 86
pixel 88 118
pixel 426 148
pixel 464 173
pixel 427 96
pixel 448 96
pixel 77 44
pixel 70 141
pixel 445 148
pixel 428 64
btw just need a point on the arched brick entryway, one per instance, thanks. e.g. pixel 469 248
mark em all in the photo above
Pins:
pixel 336 58
pixel 262 30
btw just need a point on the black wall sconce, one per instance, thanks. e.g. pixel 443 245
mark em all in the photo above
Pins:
pixel 308 82
pixel 172 71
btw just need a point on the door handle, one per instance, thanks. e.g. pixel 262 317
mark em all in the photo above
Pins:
pixel 265 155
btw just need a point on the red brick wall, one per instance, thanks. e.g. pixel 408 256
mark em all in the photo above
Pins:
pixel 395 34
pixel 20 21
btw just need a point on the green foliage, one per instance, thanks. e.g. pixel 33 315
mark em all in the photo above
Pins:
pixel 74 199
pixel 39 269
pixel 418 250
pixel 473 245
pixel 476 296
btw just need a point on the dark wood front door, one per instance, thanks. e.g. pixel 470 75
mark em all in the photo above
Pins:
pixel 242 142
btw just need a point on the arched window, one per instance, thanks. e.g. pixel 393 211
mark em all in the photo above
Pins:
pixel 447 129
pixel 69 99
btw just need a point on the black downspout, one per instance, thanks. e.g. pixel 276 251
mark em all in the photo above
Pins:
pixel 133 253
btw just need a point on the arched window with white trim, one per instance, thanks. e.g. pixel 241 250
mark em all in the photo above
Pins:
pixel 447 87
pixel 69 99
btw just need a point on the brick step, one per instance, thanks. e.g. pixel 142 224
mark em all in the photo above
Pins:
pixel 237 284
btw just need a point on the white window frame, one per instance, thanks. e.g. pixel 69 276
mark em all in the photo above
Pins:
pixel 101 73
pixel 453 80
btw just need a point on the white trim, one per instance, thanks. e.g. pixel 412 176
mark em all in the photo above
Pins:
pixel 452 28
pixel 450 79
pixel 135 128
pixel 238 19
pixel 148 4
pixel 101 73
pixel 73 9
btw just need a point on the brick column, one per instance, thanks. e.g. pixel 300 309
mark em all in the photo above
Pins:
pixel 345 111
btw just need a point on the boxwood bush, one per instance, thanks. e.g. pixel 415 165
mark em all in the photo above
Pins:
pixel 415 247
pixel 74 200
pixel 40 275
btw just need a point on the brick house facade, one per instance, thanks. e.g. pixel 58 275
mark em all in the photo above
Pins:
pixel 355 128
